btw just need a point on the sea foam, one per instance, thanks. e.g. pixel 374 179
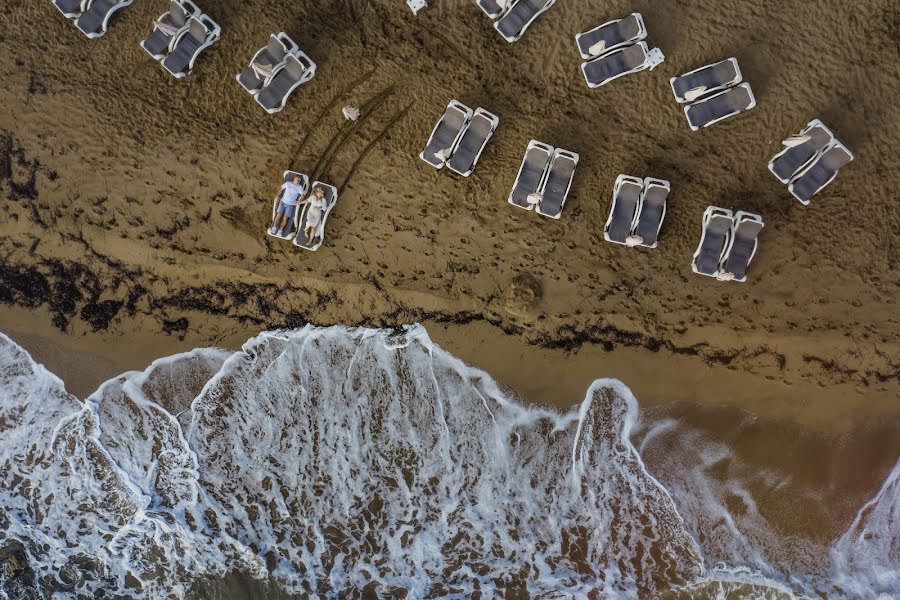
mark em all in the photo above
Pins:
pixel 348 461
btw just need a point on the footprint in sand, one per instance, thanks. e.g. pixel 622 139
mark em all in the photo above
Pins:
pixel 523 294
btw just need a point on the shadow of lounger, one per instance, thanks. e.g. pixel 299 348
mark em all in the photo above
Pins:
pixel 530 178
pixel 742 247
pixel 201 33
pixel 271 57
pixel 706 80
pixel 717 224
pixel 557 183
pixel 159 43
pixel 719 107
pixel 297 70
pixel 618 63
pixel 95 20
pixel 651 211
pixel 472 143
pixel 793 159
pixel 612 35
pixel 626 198
pixel 822 171
pixel 519 17
pixel 446 134
pixel 331 196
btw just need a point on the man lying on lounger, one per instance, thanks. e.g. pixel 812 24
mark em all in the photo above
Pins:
pixel 287 198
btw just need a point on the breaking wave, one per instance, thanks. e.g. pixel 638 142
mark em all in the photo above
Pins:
pixel 346 462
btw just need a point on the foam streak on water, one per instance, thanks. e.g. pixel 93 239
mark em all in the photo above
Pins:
pixel 340 461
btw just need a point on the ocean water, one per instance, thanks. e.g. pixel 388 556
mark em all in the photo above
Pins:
pixel 345 463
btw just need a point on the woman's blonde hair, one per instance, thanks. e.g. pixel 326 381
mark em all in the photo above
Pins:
pixel 319 188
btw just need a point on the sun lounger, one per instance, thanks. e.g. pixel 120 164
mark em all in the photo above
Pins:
pixel 72 9
pixel 491 8
pixel 706 80
pixel 94 21
pixel 288 176
pixel 557 183
pixel 651 211
pixel 719 106
pixel 795 157
pixel 167 28
pixel 530 178
pixel 625 201
pixel 741 247
pixel 200 33
pixel 620 62
pixel 822 171
pixel 300 218
pixel 474 138
pixel 266 62
pixel 297 70
pixel 446 134
pixel 611 35
pixel 717 224
pixel 521 14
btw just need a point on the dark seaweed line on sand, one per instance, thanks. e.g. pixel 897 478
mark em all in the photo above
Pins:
pixel 72 290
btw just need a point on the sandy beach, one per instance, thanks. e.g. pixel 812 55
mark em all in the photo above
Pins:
pixel 134 204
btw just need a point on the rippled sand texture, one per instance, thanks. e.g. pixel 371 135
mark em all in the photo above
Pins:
pixel 131 201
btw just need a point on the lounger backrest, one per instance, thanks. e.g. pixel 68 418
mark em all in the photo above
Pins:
pixel 275 50
pixel 559 177
pixel 712 77
pixel 725 103
pixel 92 19
pixel 820 173
pixel 653 205
pixel 786 165
pixel 715 236
pixel 613 34
pixel 743 246
pixel 470 143
pixel 177 15
pixel 616 63
pixel 530 175
pixel 625 204
pixel 521 13
pixel 198 31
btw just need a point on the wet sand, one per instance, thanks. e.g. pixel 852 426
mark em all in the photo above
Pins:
pixel 133 205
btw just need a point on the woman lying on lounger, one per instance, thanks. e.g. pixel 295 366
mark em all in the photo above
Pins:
pixel 287 204
pixel 314 214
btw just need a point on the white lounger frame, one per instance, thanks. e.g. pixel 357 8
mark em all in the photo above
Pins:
pixel 811 163
pixel 642 35
pixel 307 76
pixel 558 152
pixel 213 33
pixel 737 79
pixel 467 115
pixel 546 148
pixel 298 217
pixel 525 27
pixel 653 57
pixel 284 178
pixel 104 26
pixel 745 86
pixel 809 127
pixel 708 214
pixel 620 180
pixel 740 216
pixel 495 121
pixel 289 46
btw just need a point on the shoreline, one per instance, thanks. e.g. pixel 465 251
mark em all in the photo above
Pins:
pixel 84 360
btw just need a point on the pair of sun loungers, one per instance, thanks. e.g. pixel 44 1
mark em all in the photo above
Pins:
pixel 544 179
pixel 179 36
pixel 810 161
pixel 297 228
pixel 90 16
pixel 459 138
pixel 637 211
pixel 615 49
pixel 712 93
pixel 276 71
pixel 513 17
pixel 727 244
